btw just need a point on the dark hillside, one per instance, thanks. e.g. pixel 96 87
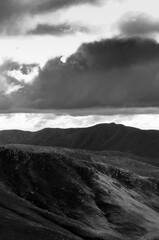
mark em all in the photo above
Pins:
pixel 53 193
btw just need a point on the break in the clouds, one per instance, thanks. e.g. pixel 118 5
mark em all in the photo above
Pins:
pixel 13 77
pixel 35 122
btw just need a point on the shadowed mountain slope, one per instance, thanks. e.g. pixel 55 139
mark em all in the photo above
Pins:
pixel 53 193
pixel 96 138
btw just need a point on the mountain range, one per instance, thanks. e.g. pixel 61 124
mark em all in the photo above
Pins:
pixel 96 138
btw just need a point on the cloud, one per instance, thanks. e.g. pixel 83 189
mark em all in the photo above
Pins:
pixel 25 74
pixel 110 73
pixel 117 73
pixel 114 53
pixel 14 12
pixel 138 25
pixel 13 77
pixel 49 5
pixel 11 11
pixel 18 74
pixel 56 30
pixel 8 9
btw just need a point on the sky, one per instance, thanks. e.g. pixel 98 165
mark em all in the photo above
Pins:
pixel 76 63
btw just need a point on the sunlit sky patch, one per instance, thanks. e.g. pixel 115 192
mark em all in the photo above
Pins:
pixel 38 121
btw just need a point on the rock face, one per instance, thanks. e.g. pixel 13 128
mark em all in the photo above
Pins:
pixel 55 193
pixel 100 137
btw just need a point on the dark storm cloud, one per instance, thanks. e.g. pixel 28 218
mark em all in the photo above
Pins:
pixel 116 73
pixel 139 25
pixel 110 73
pixel 57 30
pixel 114 53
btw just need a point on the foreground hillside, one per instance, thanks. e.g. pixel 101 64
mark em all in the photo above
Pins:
pixel 51 193
pixel 99 137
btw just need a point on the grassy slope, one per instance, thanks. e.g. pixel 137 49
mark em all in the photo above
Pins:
pixel 54 193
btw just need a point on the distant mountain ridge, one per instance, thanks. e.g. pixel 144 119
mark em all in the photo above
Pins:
pixel 112 136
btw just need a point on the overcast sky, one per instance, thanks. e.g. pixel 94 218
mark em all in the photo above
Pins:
pixel 72 63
